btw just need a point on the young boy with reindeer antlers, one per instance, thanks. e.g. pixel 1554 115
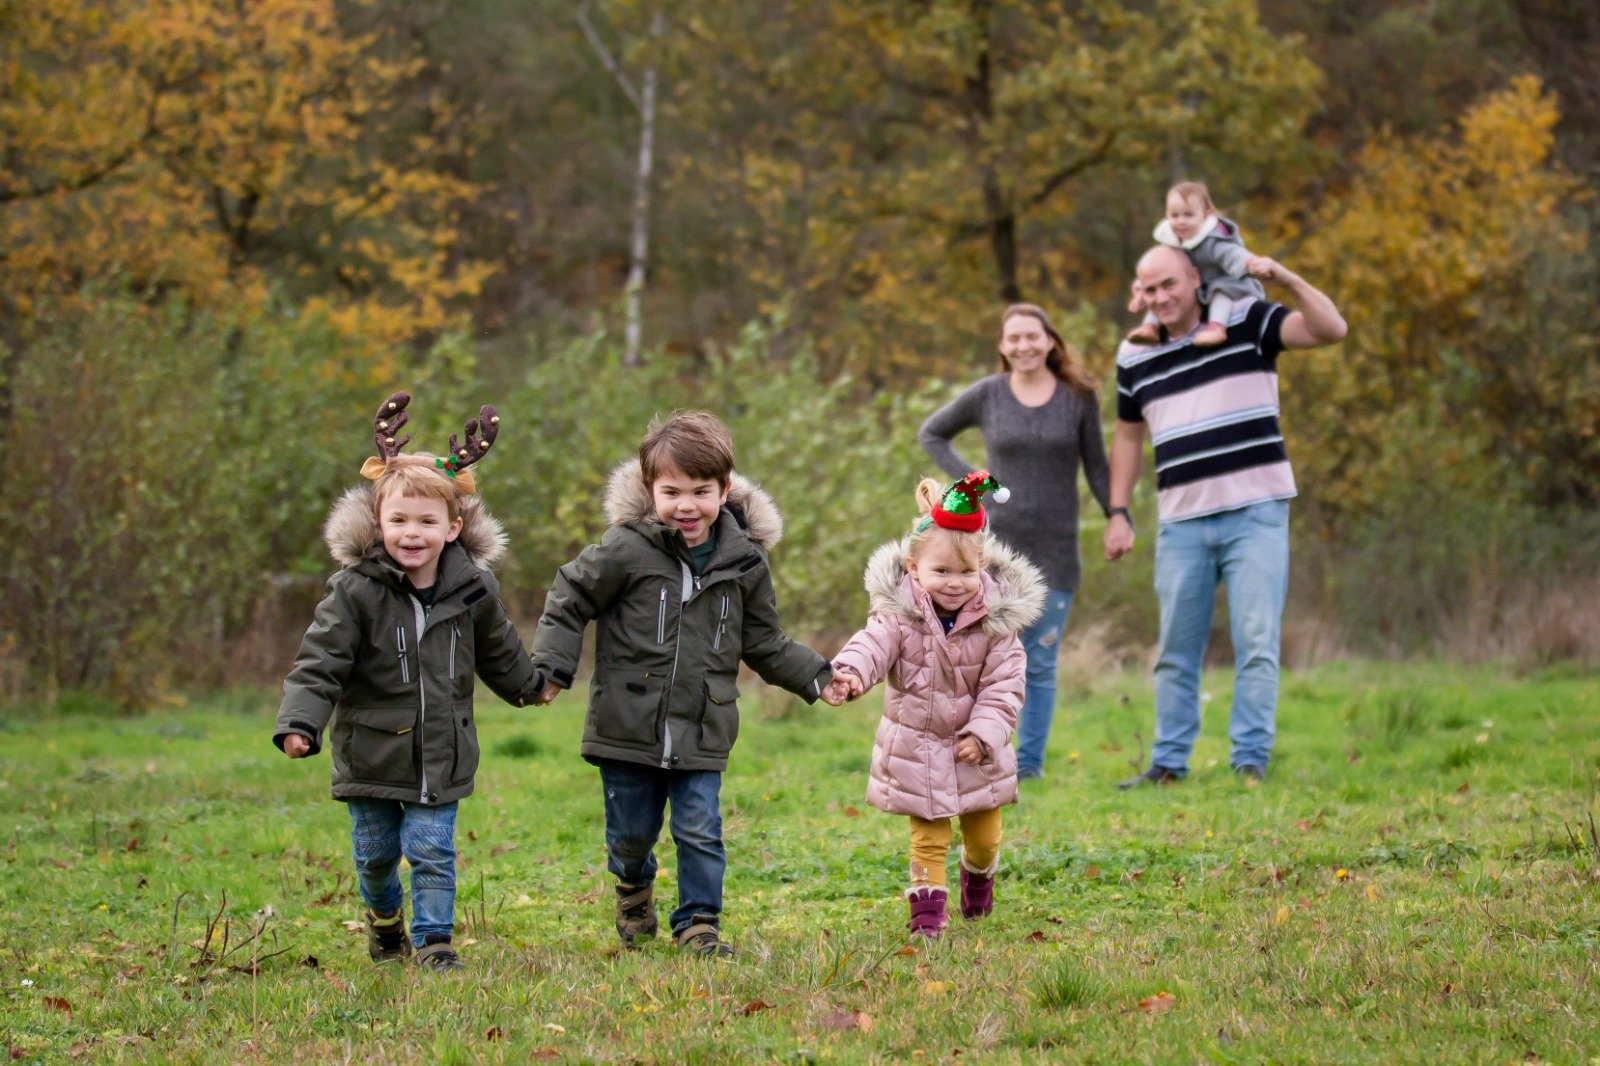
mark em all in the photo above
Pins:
pixel 389 661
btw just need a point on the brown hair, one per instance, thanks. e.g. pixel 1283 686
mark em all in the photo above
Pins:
pixel 415 474
pixel 693 442
pixel 968 547
pixel 1063 361
pixel 1195 190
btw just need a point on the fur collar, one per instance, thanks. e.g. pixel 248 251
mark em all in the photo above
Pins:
pixel 352 529
pixel 628 500
pixel 1164 234
pixel 1013 600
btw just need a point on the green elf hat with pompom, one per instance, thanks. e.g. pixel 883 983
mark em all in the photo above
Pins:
pixel 961 507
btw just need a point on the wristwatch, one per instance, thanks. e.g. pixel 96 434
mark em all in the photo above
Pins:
pixel 1123 511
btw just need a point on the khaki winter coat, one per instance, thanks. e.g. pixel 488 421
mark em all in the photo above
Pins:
pixel 944 687
pixel 394 681
pixel 667 643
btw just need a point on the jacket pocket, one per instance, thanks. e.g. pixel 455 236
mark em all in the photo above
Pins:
pixel 719 725
pixel 466 746
pixel 383 745
pixel 625 705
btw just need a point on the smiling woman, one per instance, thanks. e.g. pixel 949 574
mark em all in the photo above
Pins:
pixel 1040 420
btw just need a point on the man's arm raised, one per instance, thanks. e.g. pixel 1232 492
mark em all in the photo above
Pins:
pixel 1316 321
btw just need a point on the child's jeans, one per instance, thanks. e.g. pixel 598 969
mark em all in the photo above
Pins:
pixel 383 830
pixel 636 798
pixel 930 846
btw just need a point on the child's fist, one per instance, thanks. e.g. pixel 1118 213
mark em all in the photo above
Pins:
pixel 969 751
pixel 835 692
pixel 296 746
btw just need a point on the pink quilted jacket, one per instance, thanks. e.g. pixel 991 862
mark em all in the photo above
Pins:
pixel 942 688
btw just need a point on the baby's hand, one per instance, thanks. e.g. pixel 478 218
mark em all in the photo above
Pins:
pixel 1136 304
pixel 1262 267
pixel 858 687
pixel 296 746
pixel 835 692
pixel 969 751
pixel 551 691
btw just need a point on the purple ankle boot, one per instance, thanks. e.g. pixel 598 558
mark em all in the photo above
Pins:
pixel 927 912
pixel 977 894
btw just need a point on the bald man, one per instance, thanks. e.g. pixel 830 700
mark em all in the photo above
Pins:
pixel 1223 485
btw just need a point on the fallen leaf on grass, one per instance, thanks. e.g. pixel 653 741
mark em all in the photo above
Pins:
pixel 494 1032
pixel 1281 917
pixel 544 1053
pixel 1037 936
pixel 1159 1003
pixel 310 962
pixel 933 988
pixel 552 1027
pixel 337 982
pixel 1302 825
pixel 1091 871
pixel 356 927
pixel 851 812
pixel 906 950
pixel 501 849
pixel 1465 787
pixel 753 1006
pixel 1372 892
pixel 589 896
pixel 842 1020
pixel 58 1003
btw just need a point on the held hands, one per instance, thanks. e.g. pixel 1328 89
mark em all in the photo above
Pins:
pixel 1118 538
pixel 969 751
pixel 844 686
pixel 550 691
pixel 296 746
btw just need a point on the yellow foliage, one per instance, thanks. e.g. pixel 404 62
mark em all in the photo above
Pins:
pixel 221 150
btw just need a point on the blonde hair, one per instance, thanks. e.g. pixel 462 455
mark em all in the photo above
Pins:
pixel 968 547
pixel 1195 190
pixel 415 474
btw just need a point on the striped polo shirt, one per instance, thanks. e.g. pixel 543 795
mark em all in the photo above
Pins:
pixel 1213 414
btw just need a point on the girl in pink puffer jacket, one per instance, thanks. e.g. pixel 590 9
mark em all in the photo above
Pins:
pixel 947 605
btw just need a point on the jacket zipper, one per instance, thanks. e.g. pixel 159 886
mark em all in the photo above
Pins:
pixel 455 633
pixel 400 643
pixel 422 699
pixel 672 675
pixel 722 621
pixel 661 618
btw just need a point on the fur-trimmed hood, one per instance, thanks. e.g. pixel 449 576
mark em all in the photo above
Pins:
pixel 352 529
pixel 1013 595
pixel 628 501
pixel 1214 225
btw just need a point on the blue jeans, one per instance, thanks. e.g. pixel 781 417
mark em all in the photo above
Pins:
pixel 1248 550
pixel 383 830
pixel 1042 642
pixel 636 797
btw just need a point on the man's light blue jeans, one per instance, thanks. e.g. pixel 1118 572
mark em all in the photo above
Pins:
pixel 383 830
pixel 1248 551
pixel 1042 643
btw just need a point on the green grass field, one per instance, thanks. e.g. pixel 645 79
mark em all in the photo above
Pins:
pixel 1418 880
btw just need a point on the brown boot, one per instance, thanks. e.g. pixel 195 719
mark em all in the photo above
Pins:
pixel 1145 333
pixel 636 912
pixel 387 939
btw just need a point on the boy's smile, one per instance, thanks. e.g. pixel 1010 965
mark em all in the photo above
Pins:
pixel 415 530
pixel 688 504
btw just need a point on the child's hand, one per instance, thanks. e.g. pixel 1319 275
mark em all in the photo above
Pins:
pixel 1136 304
pixel 551 691
pixel 836 691
pixel 969 751
pixel 296 746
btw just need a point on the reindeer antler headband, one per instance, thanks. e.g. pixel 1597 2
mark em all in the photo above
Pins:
pixel 391 419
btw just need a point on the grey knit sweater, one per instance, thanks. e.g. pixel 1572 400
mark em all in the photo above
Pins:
pixel 1035 452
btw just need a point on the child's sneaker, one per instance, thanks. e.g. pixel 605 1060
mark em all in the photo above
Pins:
pixel 636 912
pixel 703 938
pixel 927 912
pixel 1210 335
pixel 386 936
pixel 977 893
pixel 439 956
